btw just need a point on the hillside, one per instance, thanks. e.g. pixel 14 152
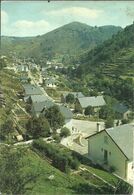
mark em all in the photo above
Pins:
pixel 69 40
pixel 110 67
pixel 113 57
pixel 34 174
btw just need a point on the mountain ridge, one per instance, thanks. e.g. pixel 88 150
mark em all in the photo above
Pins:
pixel 69 39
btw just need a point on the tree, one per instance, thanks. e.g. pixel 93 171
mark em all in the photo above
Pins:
pixel 54 117
pixel 109 123
pixel 89 110
pixel 85 188
pixel 121 187
pixel 124 121
pixel 57 138
pixel 14 176
pixel 78 107
pixel 105 112
pixel 3 63
pixel 29 80
pixel 38 127
pixel 7 128
pixel 70 98
pixel 93 93
pixel 28 107
pixel 64 132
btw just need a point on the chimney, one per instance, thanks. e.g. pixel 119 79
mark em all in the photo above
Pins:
pixel 98 127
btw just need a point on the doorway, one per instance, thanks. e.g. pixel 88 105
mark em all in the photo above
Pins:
pixel 105 156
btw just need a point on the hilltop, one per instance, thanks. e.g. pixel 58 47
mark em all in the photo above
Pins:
pixel 69 39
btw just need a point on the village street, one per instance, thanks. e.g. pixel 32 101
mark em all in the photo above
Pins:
pixel 77 142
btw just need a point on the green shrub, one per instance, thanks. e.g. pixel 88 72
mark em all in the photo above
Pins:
pixel 75 164
pixel 124 121
pixel 57 138
pixel 60 158
pixel 65 132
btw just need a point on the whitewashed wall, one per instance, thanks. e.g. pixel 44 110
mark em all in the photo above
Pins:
pixel 116 158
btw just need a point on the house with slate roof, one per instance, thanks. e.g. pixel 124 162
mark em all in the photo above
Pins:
pixel 38 98
pixel 95 101
pixel 113 149
pixel 76 95
pixel 40 107
pixel 68 115
pixel 24 79
pixel 121 110
pixel 50 83
pixel 22 68
pixel 30 89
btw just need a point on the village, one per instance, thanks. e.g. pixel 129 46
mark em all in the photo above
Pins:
pixel 85 129
pixel 67 98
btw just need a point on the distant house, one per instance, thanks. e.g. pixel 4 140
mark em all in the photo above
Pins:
pixel 51 83
pixel 113 149
pixel 68 115
pixel 39 107
pixel 30 89
pixel 44 75
pixel 24 79
pixel 33 66
pixel 95 101
pixel 48 63
pixel 38 98
pixel 22 68
pixel 43 69
pixel 76 95
pixel 121 111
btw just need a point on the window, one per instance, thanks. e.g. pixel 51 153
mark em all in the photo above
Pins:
pixel 105 139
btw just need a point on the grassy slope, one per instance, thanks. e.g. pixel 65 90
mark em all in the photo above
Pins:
pixel 103 174
pixel 62 183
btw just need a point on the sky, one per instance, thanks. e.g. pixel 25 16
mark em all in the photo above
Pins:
pixel 32 18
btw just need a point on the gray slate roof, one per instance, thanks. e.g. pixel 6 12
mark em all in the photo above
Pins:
pixel 94 101
pixel 66 112
pixel 120 108
pixel 123 136
pixel 32 89
pixel 39 98
pixel 38 106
